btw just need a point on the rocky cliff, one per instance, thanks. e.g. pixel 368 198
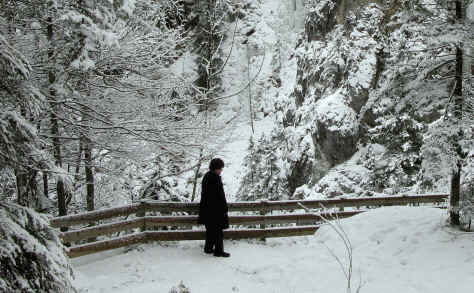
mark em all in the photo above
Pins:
pixel 372 96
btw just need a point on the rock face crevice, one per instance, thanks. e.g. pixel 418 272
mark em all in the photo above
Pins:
pixel 335 146
pixel 337 68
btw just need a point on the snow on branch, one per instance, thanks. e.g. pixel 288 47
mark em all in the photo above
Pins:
pixel 12 61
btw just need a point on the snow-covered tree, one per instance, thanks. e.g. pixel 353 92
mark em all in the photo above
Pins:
pixel 32 256
pixel 209 37
pixel 265 173
pixel 105 70
pixel 20 147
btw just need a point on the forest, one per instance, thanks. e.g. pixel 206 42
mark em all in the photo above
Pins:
pixel 107 103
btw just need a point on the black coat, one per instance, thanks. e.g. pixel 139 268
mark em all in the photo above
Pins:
pixel 213 206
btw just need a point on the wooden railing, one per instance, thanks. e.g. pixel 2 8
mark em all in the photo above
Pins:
pixel 145 226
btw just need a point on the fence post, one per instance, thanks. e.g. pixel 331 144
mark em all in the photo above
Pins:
pixel 263 212
pixel 141 214
pixel 298 222
pixel 341 207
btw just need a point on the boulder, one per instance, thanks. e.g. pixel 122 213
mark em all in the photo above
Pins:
pixel 336 128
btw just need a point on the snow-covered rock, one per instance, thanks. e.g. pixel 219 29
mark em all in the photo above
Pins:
pixel 336 129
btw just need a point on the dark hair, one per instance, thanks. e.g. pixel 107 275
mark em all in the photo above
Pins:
pixel 216 164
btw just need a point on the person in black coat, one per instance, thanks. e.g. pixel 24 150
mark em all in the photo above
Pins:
pixel 213 209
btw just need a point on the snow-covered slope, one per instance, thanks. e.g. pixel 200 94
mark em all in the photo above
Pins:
pixel 264 56
pixel 370 97
pixel 395 249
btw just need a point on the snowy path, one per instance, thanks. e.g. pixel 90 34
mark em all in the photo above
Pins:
pixel 396 249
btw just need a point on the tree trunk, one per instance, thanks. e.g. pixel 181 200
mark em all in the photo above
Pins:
pixel 454 196
pixel 89 174
pixel 90 197
pixel 78 166
pixel 22 188
pixel 250 91
pixel 60 189
pixel 85 141
pixel 196 174
pixel 45 184
pixel 33 194
pixel 458 95
pixel 458 108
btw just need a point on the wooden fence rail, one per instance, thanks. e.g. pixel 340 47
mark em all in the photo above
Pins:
pixel 148 236
pixel 306 223
pixel 255 206
pixel 149 222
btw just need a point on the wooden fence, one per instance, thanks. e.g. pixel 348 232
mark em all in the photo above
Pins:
pixel 143 227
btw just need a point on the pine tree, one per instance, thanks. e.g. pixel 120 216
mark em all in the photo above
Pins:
pixel 19 142
pixel 250 164
pixel 264 177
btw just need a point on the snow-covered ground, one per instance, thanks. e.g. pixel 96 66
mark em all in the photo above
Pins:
pixel 395 249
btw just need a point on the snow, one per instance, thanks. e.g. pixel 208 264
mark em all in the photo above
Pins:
pixel 395 249
pixel 332 111
pixel 128 7
pixel 234 152
pixel 470 11
pixel 31 253
pixel 274 21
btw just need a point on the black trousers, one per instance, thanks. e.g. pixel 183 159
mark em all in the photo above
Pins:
pixel 214 238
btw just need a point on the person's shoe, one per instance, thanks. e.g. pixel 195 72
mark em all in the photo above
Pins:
pixel 222 254
pixel 208 251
